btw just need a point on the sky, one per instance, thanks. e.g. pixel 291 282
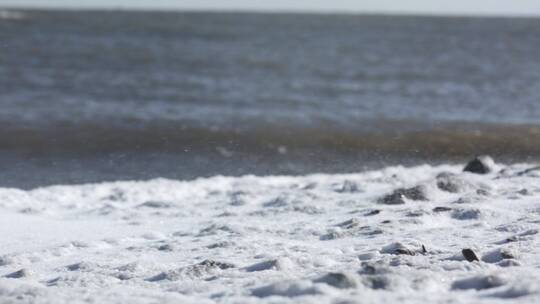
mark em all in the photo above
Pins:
pixel 439 7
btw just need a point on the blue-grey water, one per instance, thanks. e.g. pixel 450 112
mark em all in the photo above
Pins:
pixel 95 96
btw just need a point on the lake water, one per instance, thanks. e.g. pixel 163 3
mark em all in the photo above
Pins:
pixel 100 96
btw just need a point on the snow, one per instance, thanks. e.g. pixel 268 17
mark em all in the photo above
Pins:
pixel 395 234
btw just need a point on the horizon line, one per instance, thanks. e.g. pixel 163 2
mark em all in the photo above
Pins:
pixel 269 11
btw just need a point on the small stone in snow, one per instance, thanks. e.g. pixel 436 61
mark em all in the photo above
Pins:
pixel 469 255
pixel 215 264
pixel 23 273
pixel 165 247
pixel 352 223
pixel 392 199
pixel 417 193
pixel 373 212
pixel 277 264
pixel 480 165
pixel 441 209
pixel 398 196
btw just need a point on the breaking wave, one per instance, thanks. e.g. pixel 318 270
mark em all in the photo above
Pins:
pixel 447 141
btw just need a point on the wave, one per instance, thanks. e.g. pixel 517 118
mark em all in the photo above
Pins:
pixel 447 141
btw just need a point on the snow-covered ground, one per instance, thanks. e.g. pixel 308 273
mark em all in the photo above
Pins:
pixel 317 238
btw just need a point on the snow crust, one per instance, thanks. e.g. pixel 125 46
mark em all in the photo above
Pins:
pixel 395 234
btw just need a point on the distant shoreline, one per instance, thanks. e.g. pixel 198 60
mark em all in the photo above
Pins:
pixel 411 14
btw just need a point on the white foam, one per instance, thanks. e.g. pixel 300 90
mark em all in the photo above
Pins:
pixel 268 239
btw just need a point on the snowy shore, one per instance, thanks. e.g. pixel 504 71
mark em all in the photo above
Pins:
pixel 389 235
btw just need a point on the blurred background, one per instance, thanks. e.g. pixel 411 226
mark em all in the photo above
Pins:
pixel 99 91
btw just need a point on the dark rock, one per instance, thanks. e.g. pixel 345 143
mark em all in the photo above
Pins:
pixel 215 264
pixel 442 209
pixel 82 266
pixel 337 280
pixel 277 264
pixel 392 199
pixel 398 197
pixel 469 255
pixel 352 223
pixel 124 276
pixel 452 183
pixel 447 182
pixel 372 212
pixel 524 192
pixel 212 278
pixel 23 273
pixel 417 193
pixel 416 213
pixel 155 205
pixel 480 165
pixel 165 247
